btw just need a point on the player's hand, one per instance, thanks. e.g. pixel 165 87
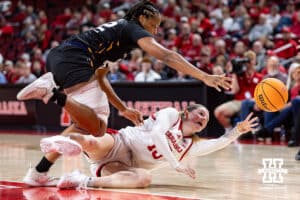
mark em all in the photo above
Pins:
pixel 218 81
pixel 248 124
pixel 133 115
pixel 187 170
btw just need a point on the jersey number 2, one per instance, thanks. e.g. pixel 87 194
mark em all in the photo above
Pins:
pixel 155 154
pixel 106 25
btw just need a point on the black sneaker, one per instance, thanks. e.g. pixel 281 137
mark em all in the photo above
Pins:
pixel 292 143
pixel 298 155
pixel 261 134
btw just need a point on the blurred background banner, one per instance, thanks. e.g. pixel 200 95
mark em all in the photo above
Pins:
pixel 146 97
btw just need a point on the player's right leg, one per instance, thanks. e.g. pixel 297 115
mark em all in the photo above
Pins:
pixel 95 147
pixel 38 176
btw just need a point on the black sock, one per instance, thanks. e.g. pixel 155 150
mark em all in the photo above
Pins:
pixel 44 165
pixel 58 97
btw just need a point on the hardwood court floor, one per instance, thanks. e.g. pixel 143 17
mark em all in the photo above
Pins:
pixel 231 173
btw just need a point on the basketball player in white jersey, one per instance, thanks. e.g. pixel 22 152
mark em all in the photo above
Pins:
pixel 123 159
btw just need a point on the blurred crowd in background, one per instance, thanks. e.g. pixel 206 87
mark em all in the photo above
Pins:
pixel 247 39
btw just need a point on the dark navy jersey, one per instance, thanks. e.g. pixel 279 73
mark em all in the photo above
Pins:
pixel 113 40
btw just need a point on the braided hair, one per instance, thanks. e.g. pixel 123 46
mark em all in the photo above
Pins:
pixel 144 7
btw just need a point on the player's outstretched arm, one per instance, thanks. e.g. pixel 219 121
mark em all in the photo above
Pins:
pixel 131 114
pixel 209 146
pixel 176 61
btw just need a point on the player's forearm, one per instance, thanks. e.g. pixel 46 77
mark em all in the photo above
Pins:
pixel 163 148
pixel 177 62
pixel 209 146
pixel 110 93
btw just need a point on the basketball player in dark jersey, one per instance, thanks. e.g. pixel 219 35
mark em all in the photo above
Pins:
pixel 79 67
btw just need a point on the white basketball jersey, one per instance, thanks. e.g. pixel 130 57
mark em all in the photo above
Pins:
pixel 144 151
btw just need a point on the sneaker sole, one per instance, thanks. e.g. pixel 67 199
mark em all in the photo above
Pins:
pixel 29 91
pixel 63 146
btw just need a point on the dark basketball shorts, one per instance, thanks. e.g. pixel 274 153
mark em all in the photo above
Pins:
pixel 70 65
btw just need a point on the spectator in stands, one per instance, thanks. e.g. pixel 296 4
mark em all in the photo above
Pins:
pixel 220 60
pixel 260 29
pixel 180 77
pixel 227 19
pixel 37 69
pixel 185 39
pixel 286 47
pixel 218 70
pixel 132 66
pixel 260 55
pixel 239 50
pixel 2 76
pixel 147 74
pixel 10 71
pixel 192 53
pixel 25 73
pixel 219 29
pixel 205 25
pixel 240 13
pixel 205 63
pixel 114 74
pixel 160 68
pixel 219 48
pixel 243 85
pixel 273 17
pixel 295 28
pixel 286 16
pixel 170 41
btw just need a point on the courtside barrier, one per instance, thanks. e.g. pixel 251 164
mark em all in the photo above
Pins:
pixel 146 97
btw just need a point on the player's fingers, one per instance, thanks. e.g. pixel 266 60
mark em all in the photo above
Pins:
pixel 249 116
pixel 217 88
pixel 255 119
pixel 254 125
pixel 226 84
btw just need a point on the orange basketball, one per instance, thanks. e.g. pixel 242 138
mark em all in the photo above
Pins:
pixel 271 95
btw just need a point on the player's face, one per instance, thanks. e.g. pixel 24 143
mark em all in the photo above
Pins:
pixel 296 74
pixel 199 118
pixel 151 24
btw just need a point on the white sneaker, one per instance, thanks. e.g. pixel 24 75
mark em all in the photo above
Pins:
pixel 41 89
pixel 73 180
pixel 35 178
pixel 60 144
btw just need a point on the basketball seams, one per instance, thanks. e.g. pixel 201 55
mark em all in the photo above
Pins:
pixel 276 90
pixel 262 89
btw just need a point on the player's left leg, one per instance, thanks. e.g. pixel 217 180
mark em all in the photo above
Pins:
pixel 117 175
